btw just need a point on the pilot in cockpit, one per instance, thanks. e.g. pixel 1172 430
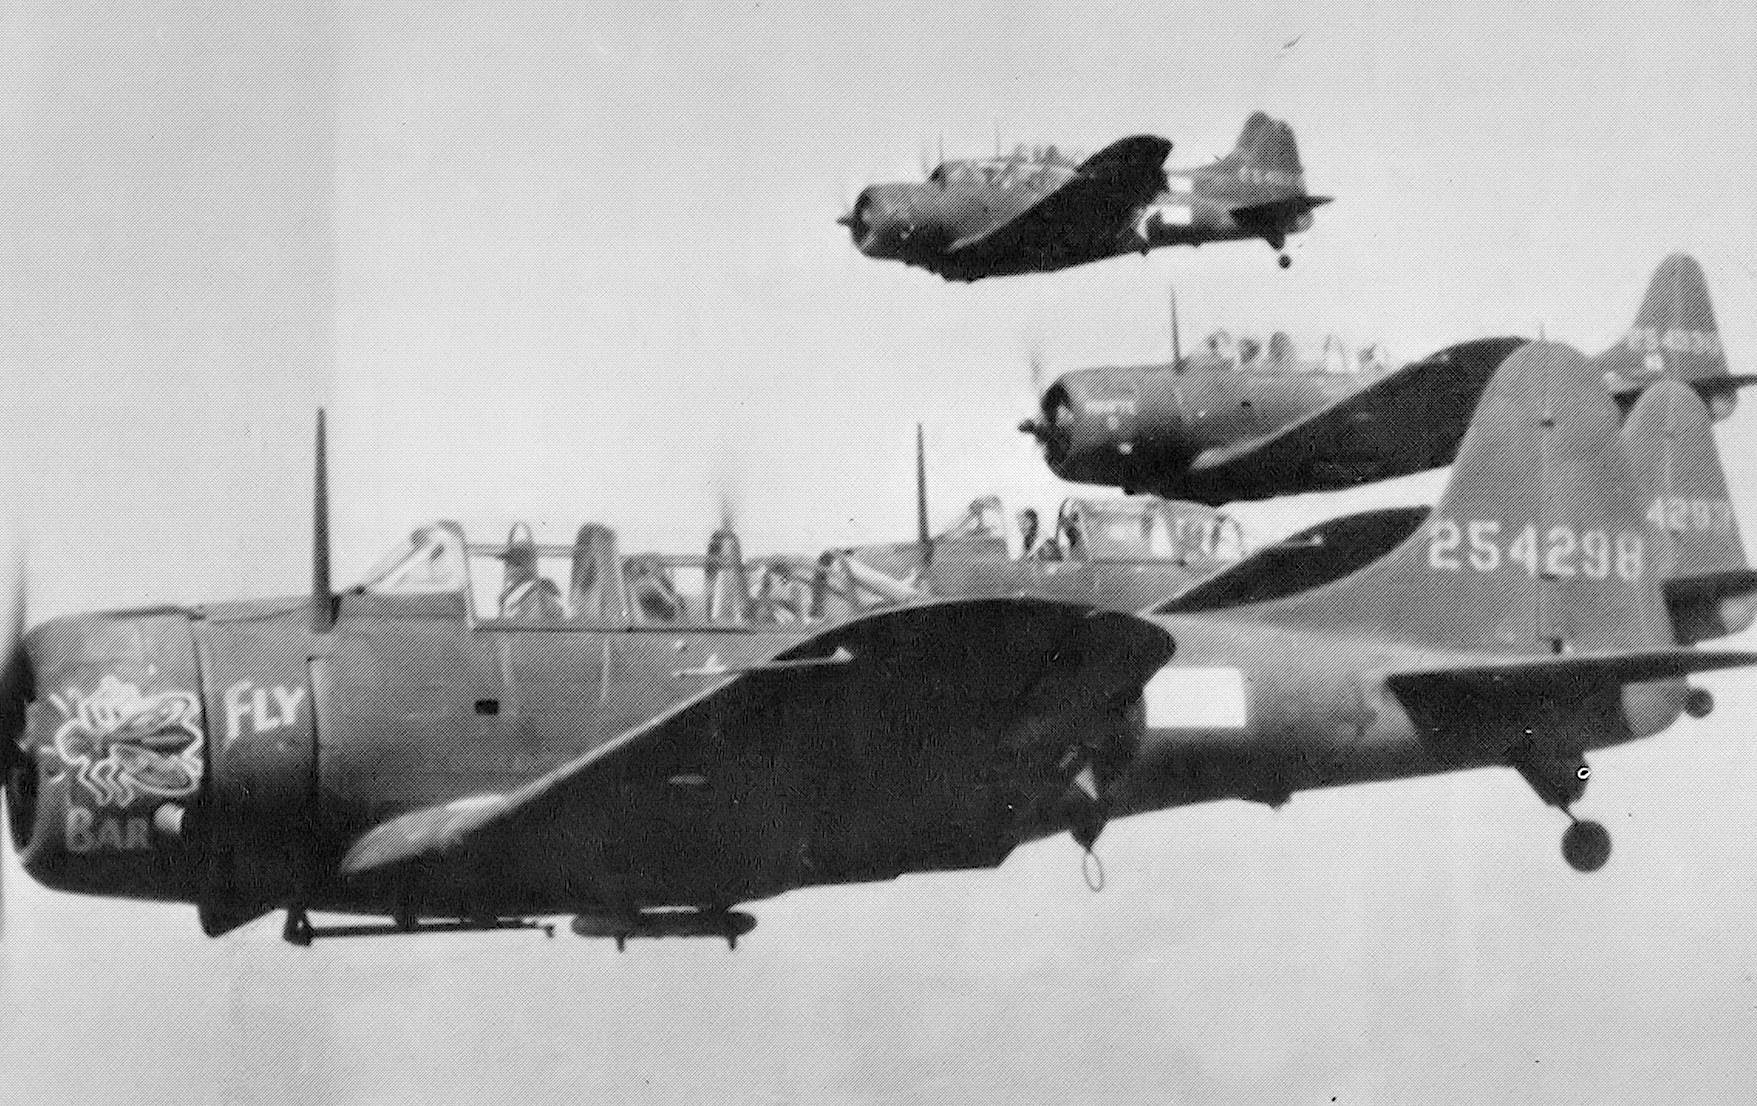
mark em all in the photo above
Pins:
pixel 1028 526
pixel 527 596
pixel 655 595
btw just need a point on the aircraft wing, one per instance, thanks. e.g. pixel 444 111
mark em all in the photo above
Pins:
pixel 1405 422
pixel 1092 206
pixel 913 737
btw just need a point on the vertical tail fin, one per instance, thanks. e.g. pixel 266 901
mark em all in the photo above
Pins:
pixel 1674 337
pixel 1540 543
pixel 1268 145
pixel 1708 582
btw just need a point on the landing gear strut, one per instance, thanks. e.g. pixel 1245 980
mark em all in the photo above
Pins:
pixel 1278 242
pixel 1586 845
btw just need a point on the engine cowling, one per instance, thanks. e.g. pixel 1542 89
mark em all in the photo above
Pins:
pixel 1118 427
pixel 169 757
pixel 113 757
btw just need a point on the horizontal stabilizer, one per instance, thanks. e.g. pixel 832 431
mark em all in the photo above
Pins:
pixel 1713 586
pixel 1579 672
pixel 1710 388
pixel 1264 217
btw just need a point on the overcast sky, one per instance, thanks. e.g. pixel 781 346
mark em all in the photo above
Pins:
pixel 560 262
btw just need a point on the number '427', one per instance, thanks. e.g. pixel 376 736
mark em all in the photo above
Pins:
pixel 1486 545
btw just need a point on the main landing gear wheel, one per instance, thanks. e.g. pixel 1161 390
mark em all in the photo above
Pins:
pixel 1586 846
pixel 1284 261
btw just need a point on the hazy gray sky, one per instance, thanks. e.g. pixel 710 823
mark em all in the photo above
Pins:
pixel 568 261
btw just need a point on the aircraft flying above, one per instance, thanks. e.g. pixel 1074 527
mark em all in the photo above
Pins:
pixel 1242 420
pixel 410 751
pixel 1038 210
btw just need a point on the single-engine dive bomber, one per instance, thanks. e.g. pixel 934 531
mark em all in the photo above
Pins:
pixel 645 755
pixel 1240 419
pixel 1038 209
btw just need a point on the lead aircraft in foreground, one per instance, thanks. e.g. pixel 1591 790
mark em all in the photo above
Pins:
pixel 398 754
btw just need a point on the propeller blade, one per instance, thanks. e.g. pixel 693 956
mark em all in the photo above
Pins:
pixel 1036 366
pixel 14 694
pixel 923 537
pixel 728 507
pixel 1177 348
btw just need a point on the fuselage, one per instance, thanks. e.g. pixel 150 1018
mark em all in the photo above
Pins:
pixel 228 757
pixel 1244 420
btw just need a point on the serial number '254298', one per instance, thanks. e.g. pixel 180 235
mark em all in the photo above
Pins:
pixel 1485 545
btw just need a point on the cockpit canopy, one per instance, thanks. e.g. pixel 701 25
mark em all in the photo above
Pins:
pixel 523 580
pixel 431 561
pixel 1280 354
pixel 1146 529
pixel 1039 167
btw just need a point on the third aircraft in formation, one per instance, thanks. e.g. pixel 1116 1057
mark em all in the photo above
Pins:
pixel 1037 209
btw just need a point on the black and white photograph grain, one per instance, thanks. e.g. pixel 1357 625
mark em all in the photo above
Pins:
pixel 787 553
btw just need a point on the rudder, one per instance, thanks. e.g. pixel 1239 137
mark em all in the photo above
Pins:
pixel 1708 583
pixel 1674 337
pixel 1540 544
pixel 1267 144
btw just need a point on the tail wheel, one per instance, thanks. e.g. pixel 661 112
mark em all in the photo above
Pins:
pixel 1586 846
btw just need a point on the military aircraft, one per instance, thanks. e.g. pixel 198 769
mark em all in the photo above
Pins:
pixel 398 752
pixel 1037 210
pixel 1244 420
